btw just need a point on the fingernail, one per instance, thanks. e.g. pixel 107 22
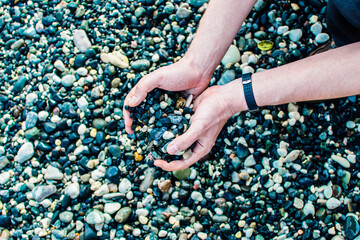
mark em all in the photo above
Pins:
pixel 132 100
pixel 172 149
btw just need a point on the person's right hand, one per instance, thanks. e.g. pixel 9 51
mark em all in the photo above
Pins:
pixel 180 76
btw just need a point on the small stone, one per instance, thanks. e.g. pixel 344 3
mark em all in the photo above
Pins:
pixel 138 157
pixel 111 208
pixel 83 104
pixel 295 35
pixel 89 233
pixel 124 186
pixel 113 174
pixel 282 152
pixel 95 217
pixel 352 227
pixel 115 58
pixel 340 160
pixel 73 190
pixel 260 5
pixel 43 191
pixel 141 64
pixel 66 217
pixel 99 123
pixel 68 80
pixel 328 192
pixel 115 150
pixel 82 71
pixel 350 124
pixel 333 203
pixel 53 173
pixel 165 185
pixel 43 115
pixel 197 196
pixel 182 174
pixel 298 203
pixel 309 209
pixel 25 152
pixel 249 161
pixel 59 65
pixel 18 44
pixel 148 179
pixel 123 214
pixel 282 29
pixel 31 120
pixel 183 11
pixel 316 28
pixel 81 40
pixel 168 135
pixel 292 156
pixel 322 38
pixel 4 177
pixel 231 56
pixel 3 162
pixel 243 175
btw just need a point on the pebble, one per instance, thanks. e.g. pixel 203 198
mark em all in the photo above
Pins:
pixel 123 214
pixel 115 58
pixel 340 160
pixel 53 173
pixel 197 196
pixel 295 35
pixel 316 28
pixel 249 161
pixel 148 179
pixel 141 64
pixel 95 217
pixel 68 80
pixel 282 29
pixel 309 209
pixel 124 186
pixel 322 38
pixel 31 120
pixel 182 174
pixel 42 191
pixel 81 40
pixel 111 208
pixel 66 217
pixel 333 203
pixel 298 203
pixel 231 56
pixel 83 104
pixel 25 152
pixel 73 190
pixel 4 177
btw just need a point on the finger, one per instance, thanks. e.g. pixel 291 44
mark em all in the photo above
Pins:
pixel 128 121
pixel 137 95
pixel 141 89
pixel 198 152
pixel 185 140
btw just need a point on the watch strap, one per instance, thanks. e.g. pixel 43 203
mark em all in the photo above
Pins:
pixel 248 92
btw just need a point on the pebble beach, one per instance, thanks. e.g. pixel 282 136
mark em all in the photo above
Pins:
pixel 68 169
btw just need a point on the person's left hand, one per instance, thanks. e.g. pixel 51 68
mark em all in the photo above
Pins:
pixel 212 109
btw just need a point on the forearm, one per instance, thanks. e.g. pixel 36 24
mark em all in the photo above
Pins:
pixel 333 74
pixel 217 29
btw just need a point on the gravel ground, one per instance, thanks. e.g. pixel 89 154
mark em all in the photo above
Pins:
pixel 68 170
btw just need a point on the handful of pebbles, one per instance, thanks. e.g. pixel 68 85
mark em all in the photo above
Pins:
pixel 158 120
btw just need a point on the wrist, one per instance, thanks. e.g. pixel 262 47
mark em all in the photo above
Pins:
pixel 201 66
pixel 234 94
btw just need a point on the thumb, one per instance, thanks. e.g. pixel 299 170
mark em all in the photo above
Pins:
pixel 185 140
pixel 141 89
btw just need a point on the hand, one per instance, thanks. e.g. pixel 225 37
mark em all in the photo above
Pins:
pixel 212 109
pixel 180 76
